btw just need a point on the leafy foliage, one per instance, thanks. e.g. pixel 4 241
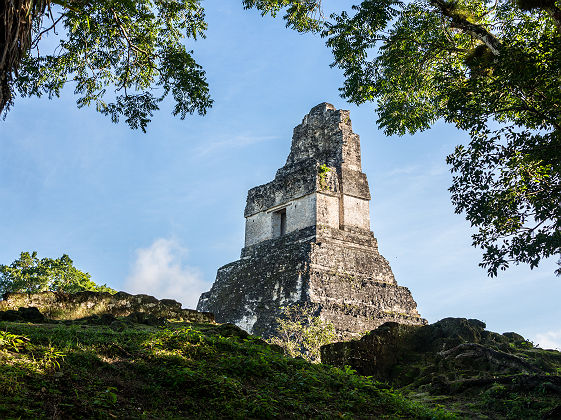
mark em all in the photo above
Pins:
pixel 124 57
pixel 134 47
pixel 31 274
pixel 180 371
pixel 300 15
pixel 514 197
pixel 12 342
pixel 301 333
pixel 472 63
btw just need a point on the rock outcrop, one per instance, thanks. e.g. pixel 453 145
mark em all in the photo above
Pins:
pixel 65 306
pixel 449 356
pixel 22 314
pixel 308 241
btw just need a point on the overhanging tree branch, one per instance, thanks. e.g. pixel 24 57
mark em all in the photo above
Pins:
pixel 460 22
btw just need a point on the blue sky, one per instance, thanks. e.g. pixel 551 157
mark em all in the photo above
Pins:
pixel 159 212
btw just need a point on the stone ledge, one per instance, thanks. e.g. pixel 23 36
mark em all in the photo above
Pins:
pixel 371 312
pixel 361 237
pixel 268 246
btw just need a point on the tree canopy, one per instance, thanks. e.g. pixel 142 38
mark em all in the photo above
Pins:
pixel 491 68
pixel 30 274
pixel 123 57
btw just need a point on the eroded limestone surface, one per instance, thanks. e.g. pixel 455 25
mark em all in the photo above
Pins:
pixel 308 240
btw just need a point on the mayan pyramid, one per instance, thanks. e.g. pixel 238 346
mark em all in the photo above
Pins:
pixel 308 241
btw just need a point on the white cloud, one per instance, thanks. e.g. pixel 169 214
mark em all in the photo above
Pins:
pixel 549 340
pixel 159 270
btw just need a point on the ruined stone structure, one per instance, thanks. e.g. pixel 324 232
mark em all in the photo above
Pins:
pixel 308 240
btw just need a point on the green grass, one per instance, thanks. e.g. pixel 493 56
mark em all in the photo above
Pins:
pixel 178 371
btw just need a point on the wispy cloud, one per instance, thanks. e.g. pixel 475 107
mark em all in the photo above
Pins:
pixel 159 270
pixel 236 142
pixel 405 170
pixel 549 340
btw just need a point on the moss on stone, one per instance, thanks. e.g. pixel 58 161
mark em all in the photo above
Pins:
pixel 458 361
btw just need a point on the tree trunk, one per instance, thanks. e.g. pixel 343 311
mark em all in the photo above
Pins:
pixel 16 24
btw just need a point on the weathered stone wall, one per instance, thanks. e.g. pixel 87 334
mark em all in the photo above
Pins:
pixel 356 212
pixel 301 213
pixel 351 253
pixel 258 228
pixel 65 306
pixel 324 138
pixel 251 291
pixel 327 209
pixel 262 226
pixel 354 183
pixel 328 257
pixel 325 135
pixel 339 273
pixel 284 188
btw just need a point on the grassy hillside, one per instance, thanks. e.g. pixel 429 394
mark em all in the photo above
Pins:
pixel 178 370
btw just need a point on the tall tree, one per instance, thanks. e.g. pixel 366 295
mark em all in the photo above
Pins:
pixel 492 68
pixel 124 57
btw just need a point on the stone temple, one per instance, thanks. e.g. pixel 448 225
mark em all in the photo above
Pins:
pixel 308 241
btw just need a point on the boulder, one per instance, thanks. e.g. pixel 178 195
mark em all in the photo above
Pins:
pixel 31 314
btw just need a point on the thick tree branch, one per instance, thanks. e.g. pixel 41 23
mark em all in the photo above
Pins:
pixel 460 22
pixel 130 43
pixel 53 26
pixel 555 13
